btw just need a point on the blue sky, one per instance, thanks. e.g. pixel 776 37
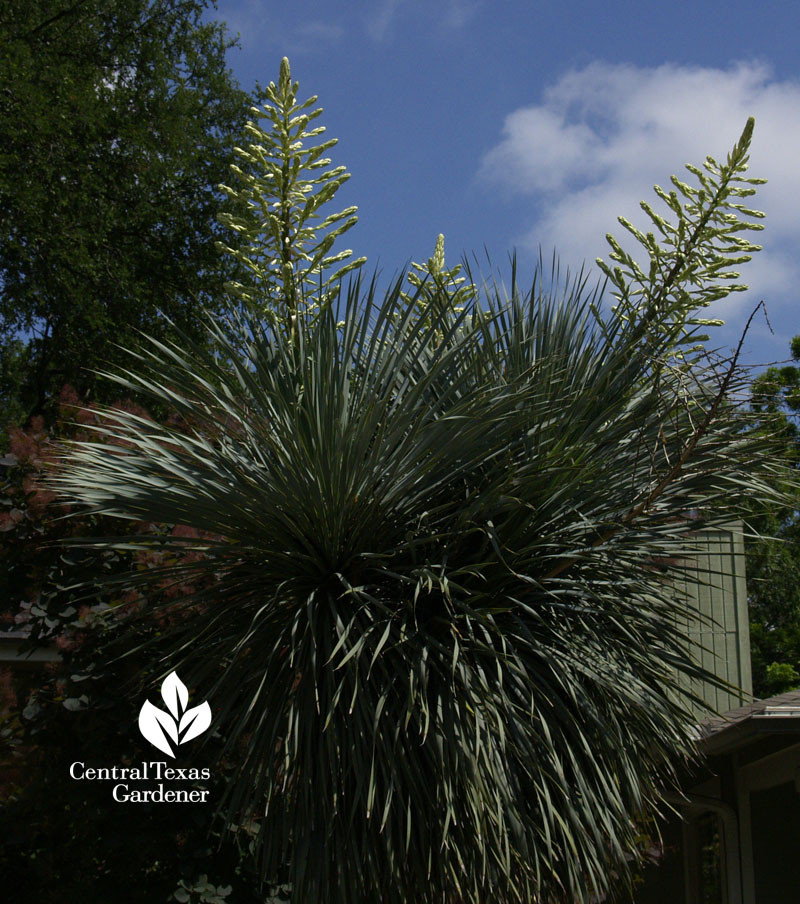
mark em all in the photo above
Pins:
pixel 519 125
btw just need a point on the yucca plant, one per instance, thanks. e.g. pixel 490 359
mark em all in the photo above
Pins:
pixel 436 618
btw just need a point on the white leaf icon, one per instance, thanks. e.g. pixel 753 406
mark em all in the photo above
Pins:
pixel 194 722
pixel 155 725
pixel 183 725
pixel 175 694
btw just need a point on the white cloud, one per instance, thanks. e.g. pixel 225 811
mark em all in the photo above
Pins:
pixel 384 13
pixel 316 33
pixel 601 136
pixel 459 12
pixel 291 31
pixel 451 14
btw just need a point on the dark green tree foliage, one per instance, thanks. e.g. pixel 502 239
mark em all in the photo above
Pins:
pixel 773 567
pixel 116 125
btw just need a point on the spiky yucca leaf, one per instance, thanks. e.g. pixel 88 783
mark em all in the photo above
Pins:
pixel 445 656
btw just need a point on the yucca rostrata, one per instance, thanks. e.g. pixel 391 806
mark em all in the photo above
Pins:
pixel 438 626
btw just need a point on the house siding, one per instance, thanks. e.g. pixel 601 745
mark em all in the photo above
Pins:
pixel 716 620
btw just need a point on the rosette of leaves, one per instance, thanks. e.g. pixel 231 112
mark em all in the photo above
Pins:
pixel 281 181
pixel 438 629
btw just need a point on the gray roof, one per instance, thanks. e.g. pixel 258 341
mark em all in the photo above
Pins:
pixel 779 714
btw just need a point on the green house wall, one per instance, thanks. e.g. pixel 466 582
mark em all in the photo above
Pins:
pixel 717 621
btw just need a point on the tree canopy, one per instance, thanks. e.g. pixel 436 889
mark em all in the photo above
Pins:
pixel 773 563
pixel 117 123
